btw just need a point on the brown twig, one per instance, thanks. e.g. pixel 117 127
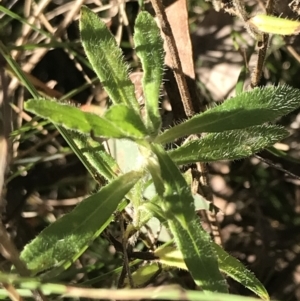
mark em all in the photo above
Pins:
pixel 177 68
pixel 126 267
pixel 186 100
pixel 5 130
pixel 270 163
pixel 210 215
pixel 260 61
pixel 12 292
pixel 262 50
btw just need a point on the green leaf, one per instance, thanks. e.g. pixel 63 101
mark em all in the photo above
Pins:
pixel 170 255
pixel 237 271
pixel 106 58
pixel 247 109
pixel 177 201
pixel 229 265
pixel 126 153
pixel 177 205
pixel 149 48
pixel 244 73
pixel 229 145
pixel 66 239
pixel 274 25
pixel 94 157
pixel 97 163
pixel 127 120
pixel 196 247
pixel 143 274
pixel 118 122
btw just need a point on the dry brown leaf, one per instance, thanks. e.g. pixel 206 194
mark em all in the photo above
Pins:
pixel 178 18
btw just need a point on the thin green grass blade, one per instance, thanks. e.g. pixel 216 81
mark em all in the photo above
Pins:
pixel 24 21
pixel 229 145
pixel 72 93
pixel 18 71
pixel 26 285
pixel 177 205
pixel 50 36
pixel 246 109
pixel 34 46
pixel 283 155
pixel 67 238
pixel 119 121
pixel 106 58
pixel 244 73
pixel 149 48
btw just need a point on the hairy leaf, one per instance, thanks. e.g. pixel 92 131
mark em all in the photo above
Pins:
pixel 97 163
pixel 118 122
pixel 149 48
pixel 127 120
pixel 244 110
pixel 106 58
pixel 229 145
pixel 177 205
pixel 66 239
pixel 94 157
pixel 171 256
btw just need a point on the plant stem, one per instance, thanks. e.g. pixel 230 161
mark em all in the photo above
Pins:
pixel 187 103
pixel 262 50
pixel 260 61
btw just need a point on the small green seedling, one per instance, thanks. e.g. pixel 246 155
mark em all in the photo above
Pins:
pixel 236 129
